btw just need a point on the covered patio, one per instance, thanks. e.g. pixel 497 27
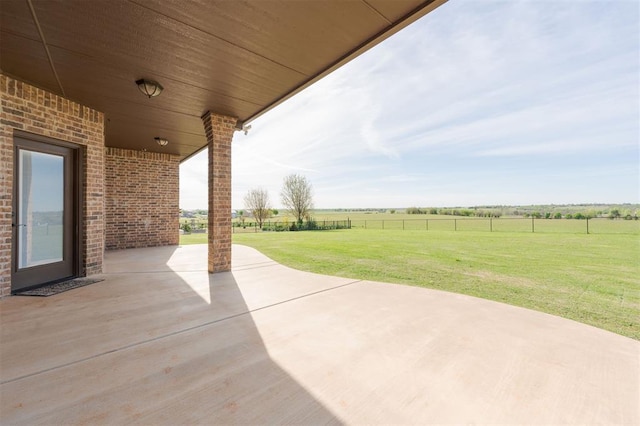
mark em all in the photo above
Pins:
pixel 109 96
pixel 162 341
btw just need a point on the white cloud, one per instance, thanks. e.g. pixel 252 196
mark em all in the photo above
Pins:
pixel 477 97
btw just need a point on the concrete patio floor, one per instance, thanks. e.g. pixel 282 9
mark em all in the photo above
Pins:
pixel 161 341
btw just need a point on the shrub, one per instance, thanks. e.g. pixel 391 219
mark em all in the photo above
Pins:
pixel 557 215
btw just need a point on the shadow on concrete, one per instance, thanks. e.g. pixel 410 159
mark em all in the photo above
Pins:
pixel 145 346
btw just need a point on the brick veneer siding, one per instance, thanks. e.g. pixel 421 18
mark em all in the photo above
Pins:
pixel 142 198
pixel 37 111
pixel 219 130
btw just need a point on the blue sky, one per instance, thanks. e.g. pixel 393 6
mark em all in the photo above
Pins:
pixel 479 102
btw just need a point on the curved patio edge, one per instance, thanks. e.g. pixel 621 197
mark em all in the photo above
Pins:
pixel 417 355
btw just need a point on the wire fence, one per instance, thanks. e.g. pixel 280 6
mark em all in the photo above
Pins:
pixel 588 226
pixel 599 225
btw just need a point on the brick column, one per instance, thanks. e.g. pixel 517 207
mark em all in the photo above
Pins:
pixel 219 130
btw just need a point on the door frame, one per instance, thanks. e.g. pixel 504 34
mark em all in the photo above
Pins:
pixel 25 140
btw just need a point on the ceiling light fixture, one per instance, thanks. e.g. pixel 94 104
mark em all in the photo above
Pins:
pixel 161 141
pixel 149 87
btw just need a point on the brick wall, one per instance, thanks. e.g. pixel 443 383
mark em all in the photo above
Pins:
pixel 219 130
pixel 37 111
pixel 142 196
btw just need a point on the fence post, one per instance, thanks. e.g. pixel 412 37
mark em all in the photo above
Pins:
pixel 427 220
pixel 365 224
pixel 587 226
pixel 383 224
pixel 403 224
pixel 455 224
pixel 533 226
pixel 490 224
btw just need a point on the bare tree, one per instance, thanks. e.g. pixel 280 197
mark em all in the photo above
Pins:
pixel 297 196
pixel 257 202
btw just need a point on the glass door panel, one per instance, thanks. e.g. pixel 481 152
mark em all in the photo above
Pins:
pixel 41 187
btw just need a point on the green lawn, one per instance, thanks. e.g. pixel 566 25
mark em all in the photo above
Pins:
pixel 187 239
pixel 593 278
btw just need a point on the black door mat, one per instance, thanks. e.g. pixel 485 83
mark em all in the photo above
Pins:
pixel 51 289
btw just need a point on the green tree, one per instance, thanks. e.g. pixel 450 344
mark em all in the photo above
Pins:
pixel 297 196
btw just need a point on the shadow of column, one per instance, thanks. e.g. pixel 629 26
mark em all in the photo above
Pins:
pixel 144 347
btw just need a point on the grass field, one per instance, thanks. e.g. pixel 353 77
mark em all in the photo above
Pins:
pixel 404 221
pixel 593 279
pixel 187 239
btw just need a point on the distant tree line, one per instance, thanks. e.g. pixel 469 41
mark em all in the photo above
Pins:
pixel 302 206
pixel 553 213
pixel 454 212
